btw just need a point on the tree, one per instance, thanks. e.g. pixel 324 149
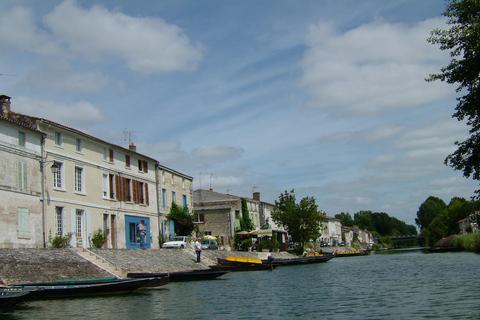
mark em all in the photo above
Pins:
pixel 245 222
pixel 346 219
pixel 428 210
pixel 302 221
pixel 364 220
pixel 462 40
pixel 184 220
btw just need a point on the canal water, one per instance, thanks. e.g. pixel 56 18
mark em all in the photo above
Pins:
pixel 390 285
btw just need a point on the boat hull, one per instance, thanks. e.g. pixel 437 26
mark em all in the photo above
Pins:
pixel 55 291
pixel 194 275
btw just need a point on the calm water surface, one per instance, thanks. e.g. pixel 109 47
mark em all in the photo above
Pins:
pixel 399 285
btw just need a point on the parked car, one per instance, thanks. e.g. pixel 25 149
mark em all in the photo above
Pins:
pixel 179 242
pixel 209 244
pixel 342 244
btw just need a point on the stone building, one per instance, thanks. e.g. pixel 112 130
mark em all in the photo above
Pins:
pixel 96 185
pixel 21 208
pixel 219 215
pixel 173 186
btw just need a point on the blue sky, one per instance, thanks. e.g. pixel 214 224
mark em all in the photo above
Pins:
pixel 324 97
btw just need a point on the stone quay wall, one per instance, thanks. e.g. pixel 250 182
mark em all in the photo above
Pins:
pixel 36 265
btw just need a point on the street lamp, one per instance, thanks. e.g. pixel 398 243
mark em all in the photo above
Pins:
pixel 55 167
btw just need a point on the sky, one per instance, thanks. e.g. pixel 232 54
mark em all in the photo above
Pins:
pixel 327 98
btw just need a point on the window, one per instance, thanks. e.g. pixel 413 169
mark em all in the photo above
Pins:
pixel 200 217
pixel 173 196
pixel 237 214
pixel 127 161
pixel 57 176
pixel 111 185
pixel 164 198
pixel 79 145
pixel 21 139
pixel 163 176
pixel 143 166
pixel 183 183
pixel 105 154
pixel 58 139
pixel 59 221
pixel 23 222
pixel 105 185
pixel 78 179
pixel 127 189
pixel 22 175
pixel 184 198
pixel 79 224
pixel 111 155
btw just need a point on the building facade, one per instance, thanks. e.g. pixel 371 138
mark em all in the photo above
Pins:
pixel 21 212
pixel 92 186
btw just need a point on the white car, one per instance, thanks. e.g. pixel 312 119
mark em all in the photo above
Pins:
pixel 179 242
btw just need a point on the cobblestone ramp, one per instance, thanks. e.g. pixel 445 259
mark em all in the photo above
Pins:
pixel 33 265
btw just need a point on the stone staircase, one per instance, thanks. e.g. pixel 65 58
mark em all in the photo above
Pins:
pixel 100 262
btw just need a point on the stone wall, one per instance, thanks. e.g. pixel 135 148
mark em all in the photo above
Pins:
pixel 35 265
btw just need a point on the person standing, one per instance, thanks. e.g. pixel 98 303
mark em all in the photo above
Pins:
pixel 142 231
pixel 198 249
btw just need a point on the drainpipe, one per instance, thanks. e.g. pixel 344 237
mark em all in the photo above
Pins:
pixel 42 168
pixel 157 183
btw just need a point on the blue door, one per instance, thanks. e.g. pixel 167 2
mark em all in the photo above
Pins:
pixel 131 236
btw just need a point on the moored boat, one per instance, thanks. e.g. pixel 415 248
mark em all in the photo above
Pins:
pixel 444 249
pixel 180 276
pixel 302 260
pixel 9 298
pixel 242 264
pixel 54 290
pixel 155 282
pixel 351 253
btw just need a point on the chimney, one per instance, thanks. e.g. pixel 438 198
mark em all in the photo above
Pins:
pixel 132 147
pixel 5 103
pixel 256 196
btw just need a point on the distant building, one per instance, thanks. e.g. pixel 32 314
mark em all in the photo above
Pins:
pixel 219 215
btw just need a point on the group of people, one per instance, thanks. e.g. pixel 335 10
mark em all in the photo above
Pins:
pixel 142 232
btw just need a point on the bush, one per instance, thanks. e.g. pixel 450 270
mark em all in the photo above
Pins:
pixel 60 241
pixel 98 239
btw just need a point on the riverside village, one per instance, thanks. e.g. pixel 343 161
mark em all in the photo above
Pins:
pixel 77 207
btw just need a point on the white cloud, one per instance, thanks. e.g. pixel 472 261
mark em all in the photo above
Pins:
pixel 78 115
pixel 148 45
pixel 61 76
pixel 372 68
pixel 18 32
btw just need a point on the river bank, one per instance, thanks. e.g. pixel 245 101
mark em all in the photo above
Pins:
pixel 38 265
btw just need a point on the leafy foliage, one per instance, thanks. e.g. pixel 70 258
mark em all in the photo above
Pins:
pixel 445 222
pixel 99 238
pixel 462 41
pixel 301 220
pixel 184 220
pixel 381 224
pixel 428 210
pixel 245 222
pixel 60 241
pixel 346 219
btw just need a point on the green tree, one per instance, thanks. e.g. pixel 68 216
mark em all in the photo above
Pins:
pixel 364 220
pixel 184 220
pixel 346 219
pixel 301 220
pixel 428 210
pixel 462 40
pixel 245 222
